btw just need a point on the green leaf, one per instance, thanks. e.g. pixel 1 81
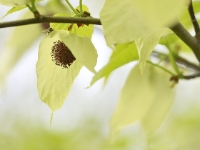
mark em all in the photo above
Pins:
pixel 130 20
pixel 122 54
pixel 14 9
pixel 146 45
pixel 138 97
pixel 81 47
pixel 54 82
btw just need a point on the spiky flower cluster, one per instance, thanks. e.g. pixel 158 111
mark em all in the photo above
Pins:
pixel 61 54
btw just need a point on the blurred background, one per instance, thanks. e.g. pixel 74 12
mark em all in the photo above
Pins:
pixel 83 121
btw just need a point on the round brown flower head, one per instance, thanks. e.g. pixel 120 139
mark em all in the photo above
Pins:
pixel 61 54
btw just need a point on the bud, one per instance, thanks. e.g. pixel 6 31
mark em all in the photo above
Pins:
pixel 61 54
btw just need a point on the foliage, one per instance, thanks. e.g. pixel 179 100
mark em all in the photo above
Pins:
pixel 132 29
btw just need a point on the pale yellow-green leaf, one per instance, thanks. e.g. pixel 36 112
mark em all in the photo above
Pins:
pixel 138 96
pixel 122 54
pixel 53 7
pixel 146 45
pixel 17 2
pixel 132 19
pixel 14 2
pixel 17 46
pixel 54 82
pixel 81 47
pixel 14 9
pixel 161 105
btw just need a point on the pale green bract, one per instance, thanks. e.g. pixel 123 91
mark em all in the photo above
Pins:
pixel 147 44
pixel 122 54
pixel 141 101
pixel 132 19
pixel 54 82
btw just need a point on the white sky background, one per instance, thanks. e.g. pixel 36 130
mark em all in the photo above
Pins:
pixel 21 102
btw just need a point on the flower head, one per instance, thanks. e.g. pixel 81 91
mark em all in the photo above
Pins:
pixel 61 54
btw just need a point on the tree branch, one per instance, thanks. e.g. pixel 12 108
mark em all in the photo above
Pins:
pixel 187 38
pixel 43 19
pixel 194 20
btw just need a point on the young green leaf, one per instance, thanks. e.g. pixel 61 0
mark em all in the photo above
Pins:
pixel 83 29
pixel 79 29
pixel 130 20
pixel 54 82
pixel 14 2
pixel 14 9
pixel 146 45
pixel 122 54
pixel 138 96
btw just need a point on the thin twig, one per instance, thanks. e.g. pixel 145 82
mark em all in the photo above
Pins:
pixel 194 20
pixel 42 19
pixel 180 61
pixel 164 69
pixel 191 76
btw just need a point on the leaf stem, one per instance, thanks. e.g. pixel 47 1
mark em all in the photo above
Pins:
pixel 182 62
pixel 33 9
pixel 172 60
pixel 164 69
pixel 72 8
pixel 33 6
pixel 81 6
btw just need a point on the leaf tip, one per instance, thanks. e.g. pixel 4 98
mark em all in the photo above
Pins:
pixel 51 118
